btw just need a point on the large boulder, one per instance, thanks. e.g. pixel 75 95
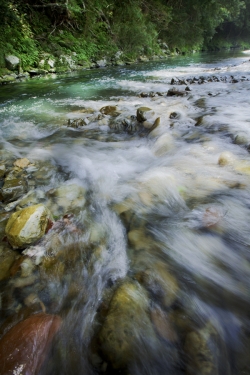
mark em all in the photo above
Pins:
pixel 126 323
pixel 24 347
pixel 12 62
pixel 28 225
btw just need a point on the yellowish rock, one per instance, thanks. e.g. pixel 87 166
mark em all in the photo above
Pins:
pixel 22 163
pixel 26 226
pixel 127 321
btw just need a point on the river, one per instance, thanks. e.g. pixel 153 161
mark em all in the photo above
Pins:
pixel 148 259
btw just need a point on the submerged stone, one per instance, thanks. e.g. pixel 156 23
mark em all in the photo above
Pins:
pixel 126 323
pixel 13 189
pixel 201 350
pixel 160 283
pixel 26 226
pixel 24 347
pixel 7 258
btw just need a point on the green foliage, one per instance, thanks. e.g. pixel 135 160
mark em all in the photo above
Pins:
pixel 16 36
pixel 133 32
pixel 96 28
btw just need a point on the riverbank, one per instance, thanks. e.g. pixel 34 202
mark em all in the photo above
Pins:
pixel 50 65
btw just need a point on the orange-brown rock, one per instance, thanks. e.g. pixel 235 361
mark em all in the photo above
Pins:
pixel 24 347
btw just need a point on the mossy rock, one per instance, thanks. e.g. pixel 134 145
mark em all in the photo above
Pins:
pixel 4 71
pixel 7 79
pixel 62 69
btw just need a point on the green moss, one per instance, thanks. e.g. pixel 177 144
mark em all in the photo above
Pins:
pixel 4 71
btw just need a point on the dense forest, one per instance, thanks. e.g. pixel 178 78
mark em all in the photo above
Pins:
pixel 87 30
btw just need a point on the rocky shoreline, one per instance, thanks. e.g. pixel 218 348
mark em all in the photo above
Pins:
pixel 50 65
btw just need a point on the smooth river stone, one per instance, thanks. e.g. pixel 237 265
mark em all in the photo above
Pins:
pixel 24 347
pixel 125 325
pixel 28 225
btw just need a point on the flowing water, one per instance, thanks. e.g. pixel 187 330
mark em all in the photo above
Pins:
pixel 148 261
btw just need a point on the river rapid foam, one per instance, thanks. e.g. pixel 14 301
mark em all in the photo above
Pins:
pixel 147 262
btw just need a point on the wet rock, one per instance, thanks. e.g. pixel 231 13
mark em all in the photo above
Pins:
pixel 226 158
pixel 33 299
pixel 160 283
pixel 12 62
pixel 212 217
pixel 44 173
pixel 130 125
pixel 4 217
pixel 144 114
pixel 101 63
pixel 31 198
pixel 2 170
pixel 18 316
pixel 174 81
pixel 155 124
pixel 7 258
pixel 37 71
pixel 147 124
pixel 182 321
pixel 174 115
pixel 27 267
pixel 242 166
pixel 119 63
pixel 77 123
pixel 22 163
pixel 24 347
pixel 126 323
pixel 139 240
pixel 164 144
pixel 28 225
pixel 144 95
pixel 202 353
pixel 109 110
pixel 199 121
pixel 241 139
pixel 163 325
pixel 13 189
pixel 175 92
pixel 143 59
pixel 66 198
pixel 157 186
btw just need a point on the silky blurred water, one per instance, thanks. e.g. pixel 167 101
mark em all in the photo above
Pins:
pixel 185 210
